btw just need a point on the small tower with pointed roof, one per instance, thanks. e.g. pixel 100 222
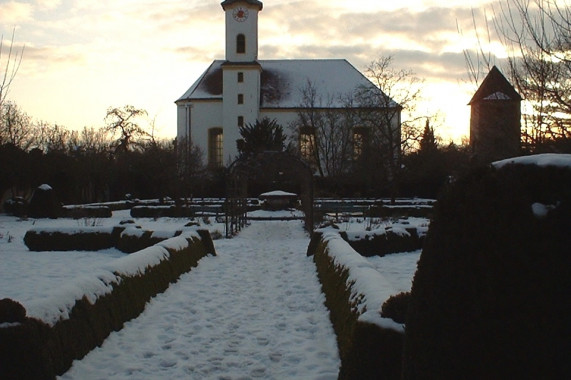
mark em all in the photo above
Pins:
pixel 495 119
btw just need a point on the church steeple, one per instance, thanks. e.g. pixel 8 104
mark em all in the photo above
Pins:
pixel 242 29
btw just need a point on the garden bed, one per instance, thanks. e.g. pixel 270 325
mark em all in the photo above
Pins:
pixel 45 343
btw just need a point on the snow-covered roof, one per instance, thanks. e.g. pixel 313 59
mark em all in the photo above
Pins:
pixel 282 82
pixel 495 86
pixel 560 160
pixel 277 193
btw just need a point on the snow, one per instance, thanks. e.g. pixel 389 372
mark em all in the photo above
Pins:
pixel 47 284
pixel 545 159
pixel 277 193
pixel 541 210
pixel 497 96
pixel 378 227
pixel 254 311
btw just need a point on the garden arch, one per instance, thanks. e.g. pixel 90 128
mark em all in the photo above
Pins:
pixel 267 171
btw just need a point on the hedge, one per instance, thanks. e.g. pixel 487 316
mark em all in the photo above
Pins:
pixel 73 239
pixel 490 298
pixel 41 349
pixel 386 243
pixel 370 347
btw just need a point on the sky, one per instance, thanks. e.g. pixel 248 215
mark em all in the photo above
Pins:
pixel 83 56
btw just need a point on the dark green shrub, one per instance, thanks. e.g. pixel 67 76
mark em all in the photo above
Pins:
pixel 16 206
pixel 11 311
pixel 389 242
pixel 396 307
pixel 44 203
pixel 490 298
pixel 86 239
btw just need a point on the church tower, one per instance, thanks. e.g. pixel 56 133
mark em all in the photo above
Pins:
pixel 241 71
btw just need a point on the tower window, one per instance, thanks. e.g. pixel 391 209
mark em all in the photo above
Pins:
pixel 215 145
pixel 240 98
pixel 240 121
pixel 240 77
pixel 240 44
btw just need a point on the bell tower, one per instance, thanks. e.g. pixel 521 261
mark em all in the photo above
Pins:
pixel 241 72
pixel 242 29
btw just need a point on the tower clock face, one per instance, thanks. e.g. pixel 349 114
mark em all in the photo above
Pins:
pixel 240 14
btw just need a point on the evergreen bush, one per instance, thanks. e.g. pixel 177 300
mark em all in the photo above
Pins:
pixel 396 307
pixel 491 293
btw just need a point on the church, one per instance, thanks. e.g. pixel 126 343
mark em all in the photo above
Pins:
pixel 242 89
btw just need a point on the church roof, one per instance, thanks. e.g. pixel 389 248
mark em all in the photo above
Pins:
pixel 495 87
pixel 282 82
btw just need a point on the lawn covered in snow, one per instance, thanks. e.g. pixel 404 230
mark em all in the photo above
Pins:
pixel 254 311
pixel 45 282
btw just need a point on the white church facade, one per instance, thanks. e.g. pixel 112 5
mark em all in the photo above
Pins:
pixel 242 89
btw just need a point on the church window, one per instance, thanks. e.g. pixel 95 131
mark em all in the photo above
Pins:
pixel 240 121
pixel 215 145
pixel 360 136
pixel 240 44
pixel 240 77
pixel 307 143
pixel 240 98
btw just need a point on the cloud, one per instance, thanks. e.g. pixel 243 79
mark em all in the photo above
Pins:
pixel 48 4
pixel 14 12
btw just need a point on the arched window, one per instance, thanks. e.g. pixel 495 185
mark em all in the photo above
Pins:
pixel 307 143
pixel 240 44
pixel 360 139
pixel 215 141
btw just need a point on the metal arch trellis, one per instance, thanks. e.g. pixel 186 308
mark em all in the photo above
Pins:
pixel 264 167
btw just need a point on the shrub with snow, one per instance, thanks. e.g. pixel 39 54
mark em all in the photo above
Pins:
pixel 44 203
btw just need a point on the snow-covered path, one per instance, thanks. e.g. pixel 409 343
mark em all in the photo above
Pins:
pixel 254 311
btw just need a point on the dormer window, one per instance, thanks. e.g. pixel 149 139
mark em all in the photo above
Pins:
pixel 240 44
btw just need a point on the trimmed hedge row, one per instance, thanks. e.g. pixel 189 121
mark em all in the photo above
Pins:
pixel 389 242
pixel 126 239
pixel 31 349
pixel 83 239
pixel 367 351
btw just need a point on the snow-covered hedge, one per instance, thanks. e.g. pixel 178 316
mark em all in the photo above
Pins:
pixel 384 241
pixel 369 345
pixel 72 239
pixel 66 327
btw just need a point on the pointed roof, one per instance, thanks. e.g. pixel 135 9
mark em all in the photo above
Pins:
pixel 495 87
pixel 225 3
pixel 283 80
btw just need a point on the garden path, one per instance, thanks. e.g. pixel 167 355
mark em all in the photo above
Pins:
pixel 254 311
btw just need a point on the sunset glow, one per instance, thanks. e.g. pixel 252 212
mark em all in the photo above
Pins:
pixel 82 57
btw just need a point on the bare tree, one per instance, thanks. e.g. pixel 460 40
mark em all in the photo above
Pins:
pixel 324 130
pixel 394 91
pixel 125 122
pixel 16 127
pixel 11 66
